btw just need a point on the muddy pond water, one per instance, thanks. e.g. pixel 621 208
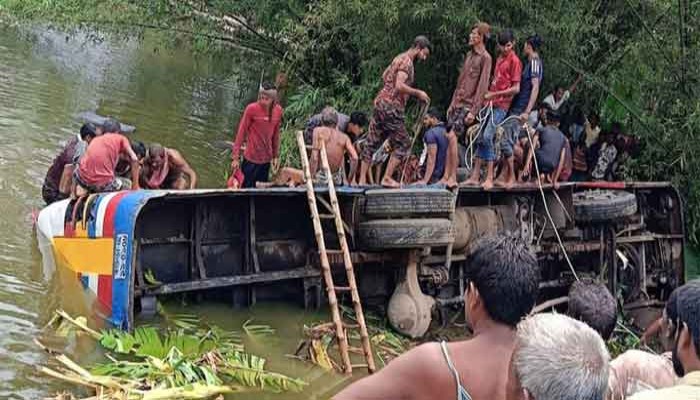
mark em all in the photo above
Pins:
pixel 179 98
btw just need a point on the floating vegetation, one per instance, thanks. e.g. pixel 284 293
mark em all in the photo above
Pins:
pixel 316 346
pixel 190 361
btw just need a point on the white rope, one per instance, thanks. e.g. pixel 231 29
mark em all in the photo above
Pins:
pixel 546 207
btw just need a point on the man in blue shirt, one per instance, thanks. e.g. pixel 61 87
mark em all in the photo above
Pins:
pixel 435 151
pixel 521 107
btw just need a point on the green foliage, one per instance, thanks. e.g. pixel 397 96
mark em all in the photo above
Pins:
pixel 640 60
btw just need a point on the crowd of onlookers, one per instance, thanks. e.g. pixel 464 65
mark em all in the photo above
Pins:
pixel 515 354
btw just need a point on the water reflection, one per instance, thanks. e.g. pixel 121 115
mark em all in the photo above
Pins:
pixel 178 98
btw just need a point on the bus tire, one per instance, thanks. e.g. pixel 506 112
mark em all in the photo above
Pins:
pixel 406 233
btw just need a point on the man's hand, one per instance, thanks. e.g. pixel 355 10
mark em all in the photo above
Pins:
pixel 275 164
pixel 469 119
pixel 488 95
pixel 235 163
pixel 135 186
pixel 524 117
pixel 422 96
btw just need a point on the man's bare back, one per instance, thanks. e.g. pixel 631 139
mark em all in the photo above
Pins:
pixel 337 144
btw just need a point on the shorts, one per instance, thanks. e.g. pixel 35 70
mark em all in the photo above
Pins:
pixel 485 145
pixel 173 176
pixel 511 132
pixel 253 173
pixel 455 120
pixel 322 180
pixel 117 184
pixel 388 122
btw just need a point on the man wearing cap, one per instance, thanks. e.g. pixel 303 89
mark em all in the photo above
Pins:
pixel 259 128
pixel 504 86
pixel 97 169
pixel 468 96
pixel 388 118
pixel 58 178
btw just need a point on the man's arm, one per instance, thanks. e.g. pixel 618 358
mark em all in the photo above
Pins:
pixel 429 163
pixel 511 91
pixel 402 87
pixel 134 163
pixel 64 185
pixel 352 154
pixel 315 151
pixel 276 145
pixel 560 167
pixel 241 135
pixel 482 87
pixel 572 88
pixel 398 380
pixel 179 162
pixel 536 70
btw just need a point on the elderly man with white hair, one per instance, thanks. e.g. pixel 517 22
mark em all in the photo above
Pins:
pixel 558 358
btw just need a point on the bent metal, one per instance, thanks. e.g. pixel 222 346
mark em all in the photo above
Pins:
pixel 257 245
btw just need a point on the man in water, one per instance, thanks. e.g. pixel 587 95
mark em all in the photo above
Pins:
pixel 96 171
pixel 557 358
pixel 502 287
pixel 436 144
pixel 166 168
pixel 352 125
pixel 337 146
pixel 468 96
pixel 388 119
pixel 260 130
pixel 505 85
pixel 59 177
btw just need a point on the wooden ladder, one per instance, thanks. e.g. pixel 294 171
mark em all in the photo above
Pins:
pixel 331 288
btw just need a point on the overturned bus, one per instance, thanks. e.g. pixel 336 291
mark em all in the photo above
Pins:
pixel 409 246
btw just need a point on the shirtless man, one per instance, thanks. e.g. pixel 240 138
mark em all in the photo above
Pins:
pixel 337 145
pixel 502 288
pixel 166 168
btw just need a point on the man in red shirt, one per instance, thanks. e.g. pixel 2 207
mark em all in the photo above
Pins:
pixel 260 129
pixel 96 172
pixel 388 119
pixel 505 85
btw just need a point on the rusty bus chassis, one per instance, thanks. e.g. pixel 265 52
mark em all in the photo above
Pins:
pixel 258 245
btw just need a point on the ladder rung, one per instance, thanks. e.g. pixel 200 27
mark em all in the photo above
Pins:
pixel 350 326
pixel 326 216
pixel 342 288
pixel 334 251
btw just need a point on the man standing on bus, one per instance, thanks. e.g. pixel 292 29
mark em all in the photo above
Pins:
pixel 260 130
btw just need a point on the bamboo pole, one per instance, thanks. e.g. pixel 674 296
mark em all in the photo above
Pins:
pixel 325 264
pixel 349 270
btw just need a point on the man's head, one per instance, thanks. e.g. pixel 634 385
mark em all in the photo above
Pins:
pixel 553 118
pixel 88 132
pixel 684 321
pixel 432 118
pixel 542 111
pixel 267 95
pixel 594 119
pixel 503 278
pixel 329 117
pixel 557 358
pixel 593 304
pixel 532 44
pixel 139 149
pixel 357 123
pixel 111 125
pixel 156 156
pixel 479 34
pixel 422 46
pixel 506 41
pixel 558 92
